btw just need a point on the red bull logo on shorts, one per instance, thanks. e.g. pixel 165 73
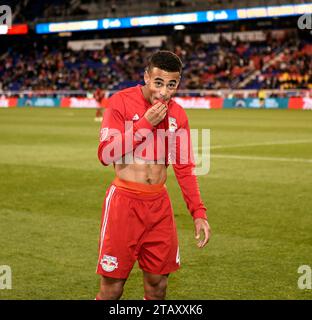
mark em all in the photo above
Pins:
pixel 109 263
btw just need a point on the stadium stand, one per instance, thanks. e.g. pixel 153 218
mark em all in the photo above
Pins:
pixel 270 64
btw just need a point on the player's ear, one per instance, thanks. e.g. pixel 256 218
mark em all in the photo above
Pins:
pixel 147 77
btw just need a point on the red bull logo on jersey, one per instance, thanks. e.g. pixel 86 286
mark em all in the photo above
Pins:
pixel 109 263
pixel 173 126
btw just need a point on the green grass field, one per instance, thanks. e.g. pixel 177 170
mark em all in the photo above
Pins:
pixel 258 193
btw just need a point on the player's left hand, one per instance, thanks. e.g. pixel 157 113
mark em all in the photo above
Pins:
pixel 202 226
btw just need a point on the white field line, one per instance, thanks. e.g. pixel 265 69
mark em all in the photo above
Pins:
pixel 238 157
pixel 257 158
pixel 267 143
pixel 256 144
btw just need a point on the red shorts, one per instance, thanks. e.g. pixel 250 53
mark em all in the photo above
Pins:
pixel 137 225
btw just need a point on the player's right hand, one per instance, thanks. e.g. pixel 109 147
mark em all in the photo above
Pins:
pixel 156 113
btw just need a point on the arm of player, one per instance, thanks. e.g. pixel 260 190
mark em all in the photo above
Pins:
pixel 115 139
pixel 184 170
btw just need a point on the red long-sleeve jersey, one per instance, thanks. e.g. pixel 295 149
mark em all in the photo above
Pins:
pixel 125 131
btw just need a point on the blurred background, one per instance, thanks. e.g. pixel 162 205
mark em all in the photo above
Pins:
pixel 247 77
pixel 230 49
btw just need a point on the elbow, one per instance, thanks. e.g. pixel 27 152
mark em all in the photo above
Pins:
pixel 106 161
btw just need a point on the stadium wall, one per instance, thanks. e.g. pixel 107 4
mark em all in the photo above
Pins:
pixel 185 102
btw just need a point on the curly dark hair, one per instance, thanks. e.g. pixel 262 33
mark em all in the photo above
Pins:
pixel 165 60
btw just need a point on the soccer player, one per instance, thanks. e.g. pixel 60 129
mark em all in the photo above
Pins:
pixel 261 96
pixel 98 95
pixel 137 219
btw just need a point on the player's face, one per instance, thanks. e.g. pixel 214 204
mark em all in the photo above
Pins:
pixel 161 84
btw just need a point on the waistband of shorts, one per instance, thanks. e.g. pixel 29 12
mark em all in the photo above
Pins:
pixel 139 190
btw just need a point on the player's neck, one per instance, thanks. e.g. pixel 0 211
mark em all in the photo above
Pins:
pixel 146 94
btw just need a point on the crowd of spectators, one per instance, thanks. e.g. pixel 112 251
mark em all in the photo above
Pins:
pixel 293 70
pixel 64 69
pixel 222 65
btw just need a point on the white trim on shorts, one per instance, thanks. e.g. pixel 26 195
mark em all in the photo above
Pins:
pixel 105 218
